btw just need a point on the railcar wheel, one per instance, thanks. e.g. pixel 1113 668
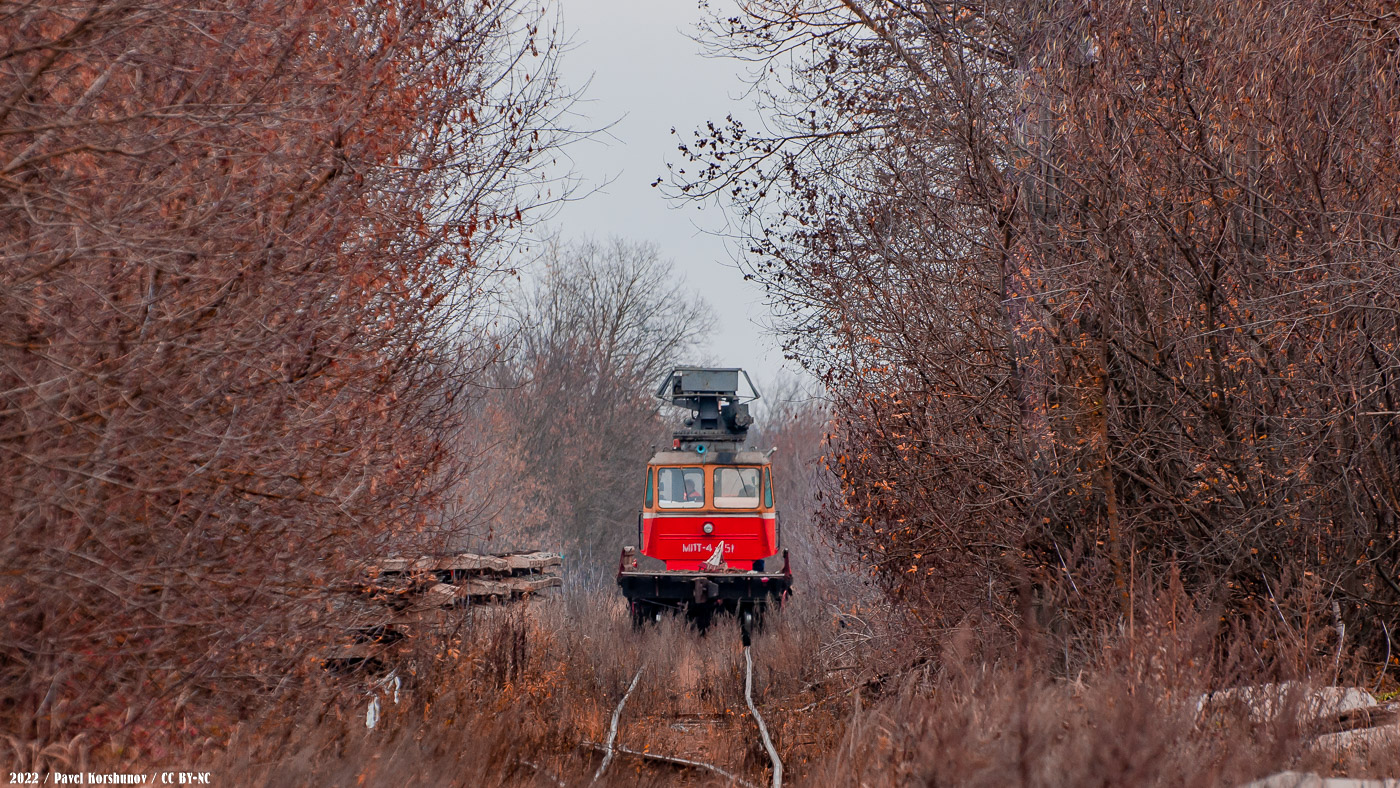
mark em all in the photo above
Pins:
pixel 644 612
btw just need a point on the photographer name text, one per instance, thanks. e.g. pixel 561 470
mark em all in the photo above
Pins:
pixel 110 778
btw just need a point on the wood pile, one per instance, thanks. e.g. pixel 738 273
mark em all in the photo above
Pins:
pixel 414 596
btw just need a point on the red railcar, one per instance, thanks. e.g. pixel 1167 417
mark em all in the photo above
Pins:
pixel 707 512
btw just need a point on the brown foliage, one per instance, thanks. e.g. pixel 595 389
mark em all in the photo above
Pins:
pixel 1099 289
pixel 234 234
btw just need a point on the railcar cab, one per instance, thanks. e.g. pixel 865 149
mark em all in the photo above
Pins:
pixel 697 502
pixel 707 497
pixel 707 512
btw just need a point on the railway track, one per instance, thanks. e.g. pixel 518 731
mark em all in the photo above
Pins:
pixel 762 729
pixel 611 748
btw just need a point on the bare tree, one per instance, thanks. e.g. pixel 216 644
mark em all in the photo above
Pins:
pixel 598 329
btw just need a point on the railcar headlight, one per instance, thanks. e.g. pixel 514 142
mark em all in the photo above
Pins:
pixel 709 528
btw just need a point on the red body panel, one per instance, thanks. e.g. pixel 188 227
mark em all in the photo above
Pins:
pixel 680 540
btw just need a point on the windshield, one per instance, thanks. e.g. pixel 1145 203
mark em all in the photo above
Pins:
pixel 681 488
pixel 736 488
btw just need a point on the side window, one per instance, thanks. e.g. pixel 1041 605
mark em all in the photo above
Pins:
pixel 681 488
pixel 767 488
pixel 650 496
pixel 736 488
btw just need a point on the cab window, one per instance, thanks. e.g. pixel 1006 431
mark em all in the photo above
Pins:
pixel 650 496
pixel 736 488
pixel 681 488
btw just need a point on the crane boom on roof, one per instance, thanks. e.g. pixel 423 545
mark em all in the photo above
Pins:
pixel 720 415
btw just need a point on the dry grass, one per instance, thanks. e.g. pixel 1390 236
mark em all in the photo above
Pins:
pixel 527 692
pixel 980 714
pixel 847 705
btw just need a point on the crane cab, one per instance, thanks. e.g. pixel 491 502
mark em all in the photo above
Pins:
pixel 696 503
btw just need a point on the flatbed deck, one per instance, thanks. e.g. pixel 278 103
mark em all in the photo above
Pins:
pixel 677 585
pixel 701 594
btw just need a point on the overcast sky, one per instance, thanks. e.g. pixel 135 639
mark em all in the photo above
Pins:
pixel 648 76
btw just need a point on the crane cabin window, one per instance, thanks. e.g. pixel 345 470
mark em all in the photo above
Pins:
pixel 736 488
pixel 681 488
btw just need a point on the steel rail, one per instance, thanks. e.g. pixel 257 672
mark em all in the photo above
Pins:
pixel 612 730
pixel 762 729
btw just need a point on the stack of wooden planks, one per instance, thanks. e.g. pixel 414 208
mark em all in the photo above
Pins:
pixel 466 578
pixel 413 596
